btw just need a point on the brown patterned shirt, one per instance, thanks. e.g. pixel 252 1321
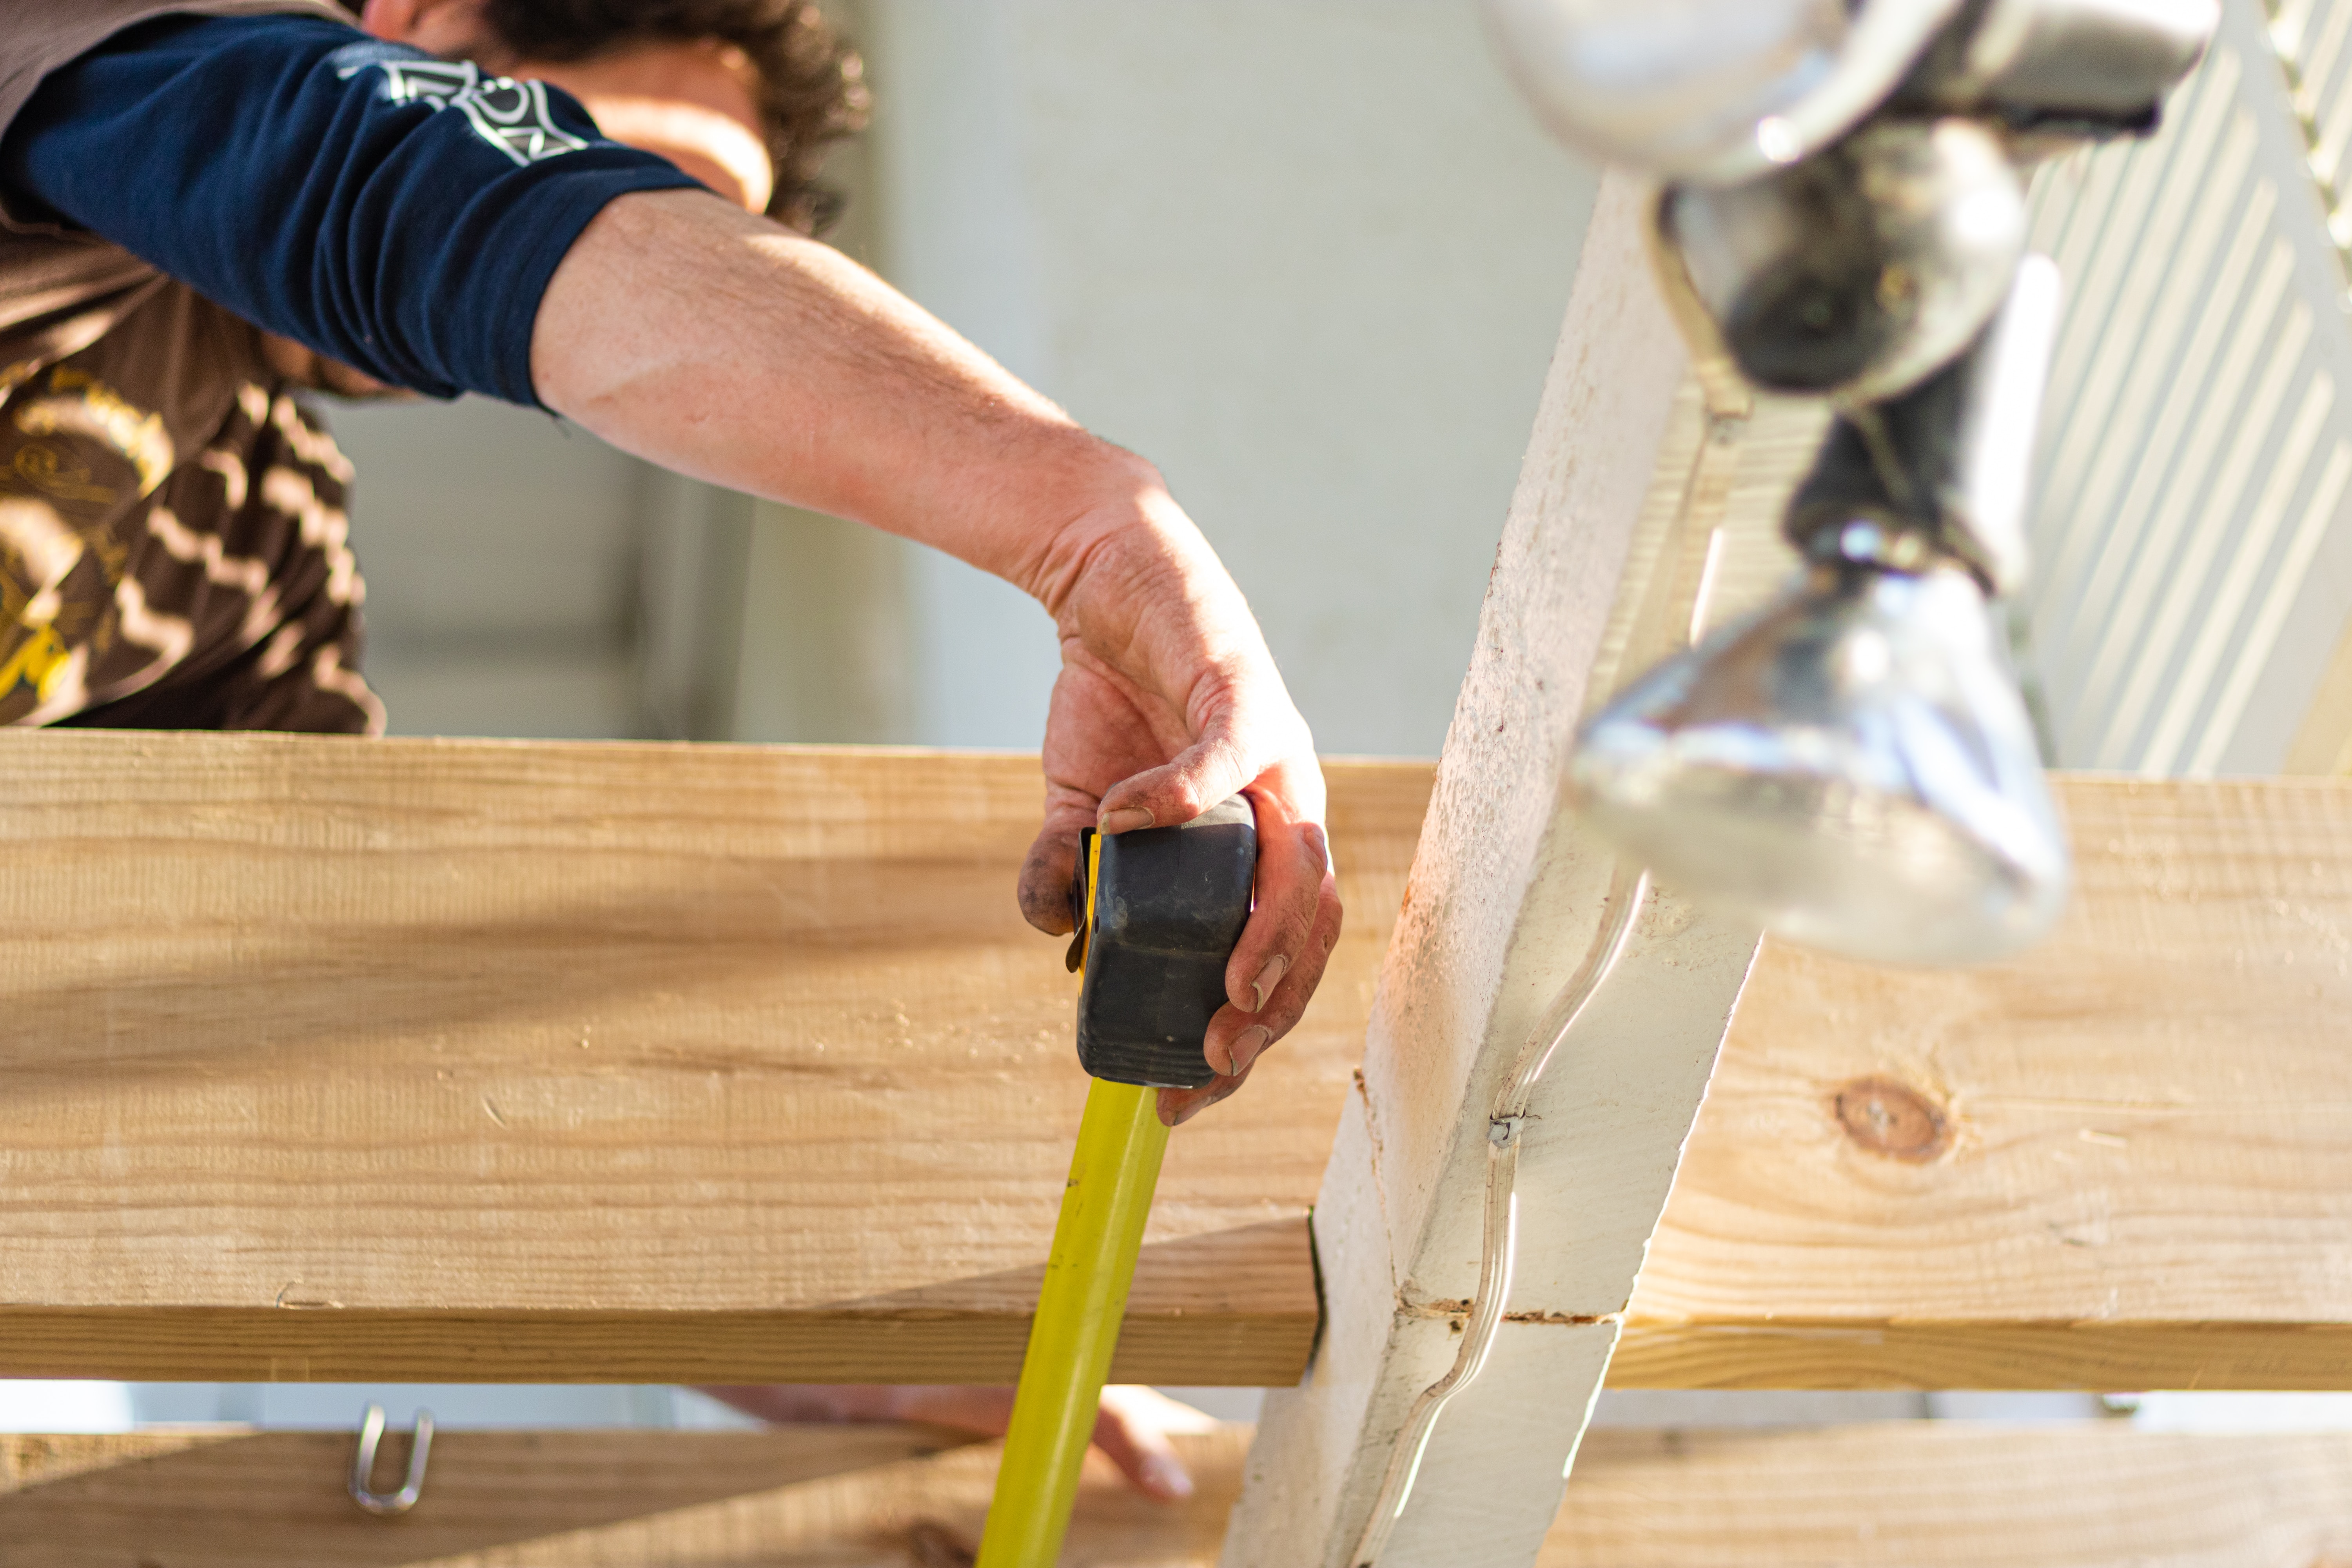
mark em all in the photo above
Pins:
pixel 173 547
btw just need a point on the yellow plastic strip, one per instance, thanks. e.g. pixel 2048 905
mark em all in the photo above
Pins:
pixel 1112 1174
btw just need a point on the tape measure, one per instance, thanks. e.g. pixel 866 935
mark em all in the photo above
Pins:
pixel 1157 912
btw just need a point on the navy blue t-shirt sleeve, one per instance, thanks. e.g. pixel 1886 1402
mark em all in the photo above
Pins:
pixel 396 212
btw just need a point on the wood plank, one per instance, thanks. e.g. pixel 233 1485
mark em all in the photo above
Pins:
pixel 238 1052
pixel 430 1060
pixel 235 1498
pixel 1899 1495
pixel 804 1497
pixel 2123 1160
pixel 1938 1494
pixel 1510 896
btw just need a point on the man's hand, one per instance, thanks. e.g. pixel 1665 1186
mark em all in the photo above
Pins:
pixel 1132 1429
pixel 1168 702
pixel 721 345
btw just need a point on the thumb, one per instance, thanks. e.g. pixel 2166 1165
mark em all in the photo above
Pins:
pixel 1046 872
pixel 1212 769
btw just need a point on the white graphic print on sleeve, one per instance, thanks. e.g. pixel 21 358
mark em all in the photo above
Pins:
pixel 510 115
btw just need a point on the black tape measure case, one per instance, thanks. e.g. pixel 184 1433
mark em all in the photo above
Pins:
pixel 1159 910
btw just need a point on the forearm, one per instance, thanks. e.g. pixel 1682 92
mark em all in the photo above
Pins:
pixel 724 346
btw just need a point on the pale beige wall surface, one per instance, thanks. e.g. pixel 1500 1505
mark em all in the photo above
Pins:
pixel 1307 256
pixel 499 548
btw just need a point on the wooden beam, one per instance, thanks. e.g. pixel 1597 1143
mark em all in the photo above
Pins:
pixel 1510 895
pixel 263 993
pixel 473 1061
pixel 2123 1160
pixel 1937 1494
pixel 807 1497
pixel 233 1499
pixel 1899 1495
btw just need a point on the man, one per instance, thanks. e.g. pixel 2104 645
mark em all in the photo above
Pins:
pixel 206 205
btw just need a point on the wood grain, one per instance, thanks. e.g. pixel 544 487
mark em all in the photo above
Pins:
pixel 1899 1495
pixel 2144 1175
pixel 1934 1494
pixel 427 1061
pixel 807 1497
pixel 234 1499
pixel 259 996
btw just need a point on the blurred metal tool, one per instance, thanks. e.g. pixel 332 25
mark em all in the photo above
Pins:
pixel 1853 767
pixel 1724 91
pixel 1946 467
pixel 1714 90
pixel 384 1505
pixel 1864 271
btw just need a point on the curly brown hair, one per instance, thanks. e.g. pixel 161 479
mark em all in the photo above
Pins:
pixel 811 83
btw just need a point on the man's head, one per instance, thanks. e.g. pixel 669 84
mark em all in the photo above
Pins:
pixel 744 95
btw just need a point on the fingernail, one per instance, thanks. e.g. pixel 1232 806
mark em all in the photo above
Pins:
pixel 1126 819
pixel 1164 1476
pixel 1267 979
pixel 1185 1113
pixel 1246 1046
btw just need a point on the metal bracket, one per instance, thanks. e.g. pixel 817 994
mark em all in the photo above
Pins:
pixel 384 1505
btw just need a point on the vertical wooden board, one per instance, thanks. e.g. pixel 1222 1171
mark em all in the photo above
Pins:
pixel 1608 1124
pixel 1513 1432
pixel 1508 897
pixel 1709 538
pixel 1459 972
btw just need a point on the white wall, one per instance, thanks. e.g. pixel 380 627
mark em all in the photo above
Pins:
pixel 1307 256
pixel 500 551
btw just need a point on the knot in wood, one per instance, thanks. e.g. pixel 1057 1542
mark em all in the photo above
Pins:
pixel 1893 1119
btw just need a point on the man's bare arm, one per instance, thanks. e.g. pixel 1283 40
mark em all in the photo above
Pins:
pixel 724 346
